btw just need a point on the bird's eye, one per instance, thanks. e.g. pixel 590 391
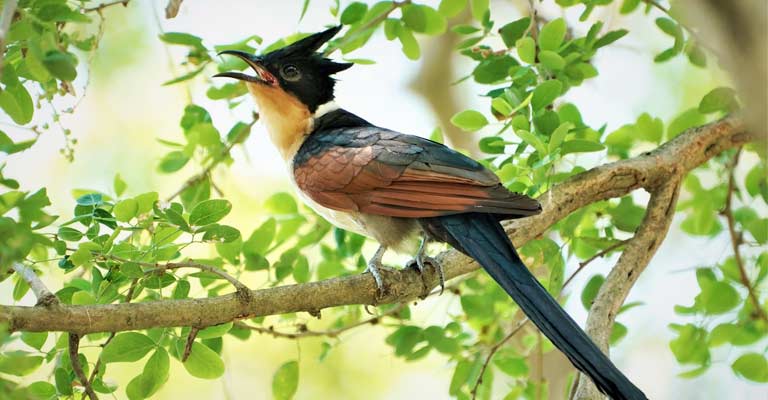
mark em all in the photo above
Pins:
pixel 290 73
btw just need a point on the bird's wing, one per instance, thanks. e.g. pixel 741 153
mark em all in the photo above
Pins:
pixel 376 171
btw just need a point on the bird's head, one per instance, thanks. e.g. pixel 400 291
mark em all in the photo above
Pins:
pixel 296 70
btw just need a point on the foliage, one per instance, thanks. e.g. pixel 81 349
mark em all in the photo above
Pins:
pixel 116 247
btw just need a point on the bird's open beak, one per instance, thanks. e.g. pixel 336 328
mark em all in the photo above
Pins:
pixel 262 75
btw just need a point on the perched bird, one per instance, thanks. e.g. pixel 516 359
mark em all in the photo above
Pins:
pixel 395 187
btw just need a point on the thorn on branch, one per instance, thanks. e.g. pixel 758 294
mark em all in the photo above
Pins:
pixel 74 357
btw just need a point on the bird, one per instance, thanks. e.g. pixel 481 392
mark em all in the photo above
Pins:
pixel 403 190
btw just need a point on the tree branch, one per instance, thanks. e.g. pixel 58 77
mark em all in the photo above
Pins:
pixel 44 296
pixel 74 358
pixel 649 170
pixel 9 9
pixel 736 239
pixel 635 258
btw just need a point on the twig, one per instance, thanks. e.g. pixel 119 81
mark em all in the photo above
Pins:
pixel 593 258
pixel 159 268
pixel 692 33
pixel 9 9
pixel 97 366
pixel 74 358
pixel 520 324
pixel 304 332
pixel 633 261
pixel 172 9
pixel 205 173
pixel 736 238
pixel 363 29
pixel 44 296
pixel 102 6
pixel 190 341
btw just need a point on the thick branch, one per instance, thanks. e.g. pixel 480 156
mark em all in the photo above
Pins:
pixel 649 170
pixel 633 261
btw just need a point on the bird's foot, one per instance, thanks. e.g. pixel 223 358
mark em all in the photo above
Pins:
pixel 374 267
pixel 420 262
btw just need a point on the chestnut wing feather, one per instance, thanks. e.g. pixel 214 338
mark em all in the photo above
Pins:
pixel 376 171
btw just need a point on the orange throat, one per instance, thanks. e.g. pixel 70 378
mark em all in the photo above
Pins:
pixel 288 121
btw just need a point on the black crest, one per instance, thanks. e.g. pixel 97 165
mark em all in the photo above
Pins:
pixel 304 72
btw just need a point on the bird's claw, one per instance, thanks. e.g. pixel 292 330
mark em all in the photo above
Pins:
pixel 373 268
pixel 420 262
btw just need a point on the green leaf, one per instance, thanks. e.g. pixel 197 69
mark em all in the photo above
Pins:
pixel 127 347
pixel 42 390
pixel 34 339
pixel 590 290
pixel 719 99
pixel 617 333
pixel 558 135
pixel 209 211
pixel 512 366
pixel 125 210
pixel 90 199
pixel 16 101
pixel 60 65
pixel 492 145
pixel 220 233
pixel 285 382
pixel 685 120
pixel 552 60
pixel 479 8
pixel 215 331
pixel 80 257
pixel 501 106
pixel 69 234
pixel 533 140
pixel 628 6
pixel 752 366
pixel 154 376
pixel 552 35
pixel 610 37
pixel 145 202
pixel 281 203
pixel 181 38
pixel 204 363
pixel 119 185
pixel 19 363
pixel 513 31
pixel 493 69
pixel 451 8
pixel 759 229
pixel 580 146
pixel 546 93
pixel 469 120
pixel 173 161
pixel 526 49
pixel 353 13
pixel 423 19
pixel 408 41
pixel 690 347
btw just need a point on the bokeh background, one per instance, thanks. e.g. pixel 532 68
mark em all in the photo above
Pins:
pixel 125 109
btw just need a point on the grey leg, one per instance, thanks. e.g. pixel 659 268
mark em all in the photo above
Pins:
pixel 422 259
pixel 374 264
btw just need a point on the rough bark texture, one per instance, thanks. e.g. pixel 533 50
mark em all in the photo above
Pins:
pixel 651 170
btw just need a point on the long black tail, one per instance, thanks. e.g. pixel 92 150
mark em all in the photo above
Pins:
pixel 481 237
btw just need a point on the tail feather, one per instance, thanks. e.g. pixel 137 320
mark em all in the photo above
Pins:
pixel 481 237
